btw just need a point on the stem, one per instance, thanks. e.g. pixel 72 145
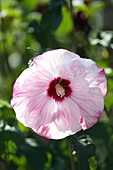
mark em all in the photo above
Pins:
pixel 71 156
pixel 4 145
pixel 72 34
pixel 71 12
pixel 4 55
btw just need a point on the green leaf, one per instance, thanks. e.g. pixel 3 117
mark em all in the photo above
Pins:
pixel 4 103
pixel 51 19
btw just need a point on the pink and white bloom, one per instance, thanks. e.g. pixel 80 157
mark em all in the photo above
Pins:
pixel 60 94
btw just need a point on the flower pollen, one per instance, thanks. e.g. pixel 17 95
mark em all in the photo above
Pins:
pixel 59 88
pixel 60 91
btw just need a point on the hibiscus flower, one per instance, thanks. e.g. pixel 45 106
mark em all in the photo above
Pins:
pixel 60 94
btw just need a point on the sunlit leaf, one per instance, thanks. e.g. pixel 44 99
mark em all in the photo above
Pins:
pixel 5 103
pixel 92 163
pixel 66 25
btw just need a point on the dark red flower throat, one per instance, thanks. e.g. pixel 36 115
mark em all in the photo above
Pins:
pixel 59 88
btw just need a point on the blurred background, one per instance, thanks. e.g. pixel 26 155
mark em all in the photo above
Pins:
pixel 27 29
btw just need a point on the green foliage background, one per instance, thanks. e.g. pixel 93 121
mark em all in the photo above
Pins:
pixel 28 28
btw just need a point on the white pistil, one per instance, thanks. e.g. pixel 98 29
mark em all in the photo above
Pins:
pixel 60 91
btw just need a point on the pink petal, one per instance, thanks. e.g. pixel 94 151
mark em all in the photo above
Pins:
pixel 51 131
pixel 30 97
pixel 87 69
pixel 65 72
pixel 41 111
pixel 65 121
pixel 31 81
pixel 89 100
pixel 54 59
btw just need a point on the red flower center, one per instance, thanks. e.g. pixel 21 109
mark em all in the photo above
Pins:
pixel 59 88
